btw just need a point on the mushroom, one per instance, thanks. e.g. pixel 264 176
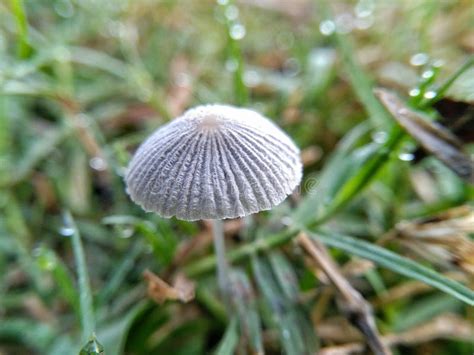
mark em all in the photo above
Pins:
pixel 214 162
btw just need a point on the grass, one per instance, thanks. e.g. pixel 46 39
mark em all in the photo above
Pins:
pixel 82 83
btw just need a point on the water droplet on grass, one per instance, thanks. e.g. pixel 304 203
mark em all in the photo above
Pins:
pixel 419 59
pixel 364 8
pixel 414 92
pixel 66 231
pixel 406 156
pixel 97 163
pixel 127 232
pixel 93 347
pixel 438 63
pixel 428 74
pixel 237 31
pixel 327 27
pixel 232 13
pixel 429 95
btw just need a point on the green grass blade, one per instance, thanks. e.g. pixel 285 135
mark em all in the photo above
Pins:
pixel 443 88
pixel 39 151
pixel 118 276
pixel 425 310
pixel 396 263
pixel 85 294
pixel 241 94
pixel 230 340
pixel 23 48
pixel 283 313
pixel 329 180
pixel 245 304
pixel 48 261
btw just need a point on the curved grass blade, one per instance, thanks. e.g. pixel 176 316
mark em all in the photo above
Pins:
pixel 283 313
pixel 85 294
pixel 230 340
pixel 244 300
pixel 396 263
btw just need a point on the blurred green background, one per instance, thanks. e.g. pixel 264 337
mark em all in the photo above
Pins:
pixel 83 82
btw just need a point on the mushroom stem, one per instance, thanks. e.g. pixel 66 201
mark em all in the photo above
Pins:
pixel 222 264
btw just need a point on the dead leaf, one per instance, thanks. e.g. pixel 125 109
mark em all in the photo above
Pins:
pixel 182 290
pixel 433 137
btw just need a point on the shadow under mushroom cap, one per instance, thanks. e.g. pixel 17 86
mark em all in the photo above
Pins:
pixel 214 162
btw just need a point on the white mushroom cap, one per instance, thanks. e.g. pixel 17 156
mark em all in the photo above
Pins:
pixel 214 162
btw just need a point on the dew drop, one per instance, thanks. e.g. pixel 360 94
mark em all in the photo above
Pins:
pixel 97 163
pixel 232 12
pixel 237 31
pixel 430 95
pixel 126 232
pixel 414 92
pixel 364 8
pixel 419 59
pixel 438 63
pixel 66 231
pixel 380 137
pixel 327 27
pixel 428 74
pixel 93 347
pixel 406 156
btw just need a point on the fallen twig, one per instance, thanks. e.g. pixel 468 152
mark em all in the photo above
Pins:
pixel 355 307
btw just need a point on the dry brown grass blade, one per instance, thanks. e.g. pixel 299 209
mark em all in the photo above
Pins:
pixel 355 307
pixel 443 326
pixel 433 137
pixel 443 238
pixel 182 290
